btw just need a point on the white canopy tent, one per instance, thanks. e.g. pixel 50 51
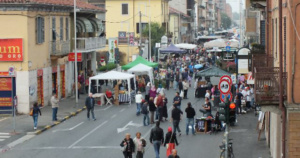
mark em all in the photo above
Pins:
pixel 186 46
pixel 113 75
pixel 141 69
pixel 215 43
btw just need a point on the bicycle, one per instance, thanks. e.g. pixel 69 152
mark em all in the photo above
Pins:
pixel 230 149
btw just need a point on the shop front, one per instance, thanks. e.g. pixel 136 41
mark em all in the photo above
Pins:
pixel 40 87
pixel 7 93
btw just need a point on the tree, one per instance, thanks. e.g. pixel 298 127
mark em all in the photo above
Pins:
pixel 157 31
pixel 226 21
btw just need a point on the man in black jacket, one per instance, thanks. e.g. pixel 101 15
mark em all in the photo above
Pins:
pixel 190 114
pixel 180 85
pixel 157 138
pixel 176 117
pixel 90 103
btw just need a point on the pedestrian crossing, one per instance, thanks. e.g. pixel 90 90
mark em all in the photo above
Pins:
pixel 4 136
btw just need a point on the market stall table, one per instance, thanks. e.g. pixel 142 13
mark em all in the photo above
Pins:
pixel 100 97
pixel 124 98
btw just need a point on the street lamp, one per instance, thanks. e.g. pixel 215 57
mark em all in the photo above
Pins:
pixel 149 31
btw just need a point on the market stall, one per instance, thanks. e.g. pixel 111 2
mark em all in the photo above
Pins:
pixel 119 76
pixel 141 69
pixel 139 60
pixel 186 46
pixel 171 49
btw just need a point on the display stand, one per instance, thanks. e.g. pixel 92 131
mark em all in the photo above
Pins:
pixel 201 125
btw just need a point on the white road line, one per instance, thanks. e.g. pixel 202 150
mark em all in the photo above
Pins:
pixel 69 129
pixel 3 137
pixel 86 135
pixel 3 119
pixel 4 133
pixel 122 110
pixel 76 126
pixel 113 116
pixel 104 108
pixel 2 140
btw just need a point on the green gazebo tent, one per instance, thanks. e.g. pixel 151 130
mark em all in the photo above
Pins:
pixel 139 60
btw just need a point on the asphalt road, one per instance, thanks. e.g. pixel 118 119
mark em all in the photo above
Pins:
pixel 78 137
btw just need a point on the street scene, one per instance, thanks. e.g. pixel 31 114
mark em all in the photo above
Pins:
pixel 144 78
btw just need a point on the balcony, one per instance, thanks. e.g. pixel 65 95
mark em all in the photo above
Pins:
pixel 261 60
pixel 59 48
pixel 90 44
pixel 267 85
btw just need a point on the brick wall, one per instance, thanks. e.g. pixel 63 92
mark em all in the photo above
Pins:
pixel 293 135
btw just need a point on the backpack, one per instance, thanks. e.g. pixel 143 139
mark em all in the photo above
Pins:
pixel 144 109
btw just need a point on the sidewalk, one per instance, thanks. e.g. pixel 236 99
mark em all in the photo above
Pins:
pixel 245 142
pixel 24 123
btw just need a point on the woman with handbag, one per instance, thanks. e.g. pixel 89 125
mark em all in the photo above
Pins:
pixel 170 141
pixel 128 146
pixel 139 143
pixel 35 111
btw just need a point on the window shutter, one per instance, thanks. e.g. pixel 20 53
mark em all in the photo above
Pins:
pixel 36 30
pixel 42 30
pixel 67 29
pixel 61 28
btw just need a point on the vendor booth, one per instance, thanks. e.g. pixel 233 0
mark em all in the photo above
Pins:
pixel 141 69
pixel 171 49
pixel 139 60
pixel 186 46
pixel 120 95
pixel 210 75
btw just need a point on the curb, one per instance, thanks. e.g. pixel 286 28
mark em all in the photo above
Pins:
pixel 58 122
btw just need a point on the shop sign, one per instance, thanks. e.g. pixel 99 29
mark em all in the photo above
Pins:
pixel 4 73
pixel 5 84
pixel 11 49
pixel 39 72
pixel 5 101
pixel 71 57
pixel 131 38
pixel 112 44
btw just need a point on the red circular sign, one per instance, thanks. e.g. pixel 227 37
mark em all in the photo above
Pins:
pixel 226 77
pixel 222 97
pixel 224 86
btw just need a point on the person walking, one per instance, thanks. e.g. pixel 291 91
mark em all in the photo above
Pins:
pixel 159 104
pixel 35 114
pixel 152 92
pixel 147 91
pixel 171 79
pixel 156 138
pixel 145 112
pixel 90 103
pixel 177 77
pixel 138 101
pixel 165 107
pixel 180 86
pixel 190 114
pixel 185 89
pixel 239 97
pixel 54 103
pixel 167 80
pixel 177 100
pixel 152 109
pixel 140 144
pixel 176 117
pixel 128 146
pixel 174 154
pixel 170 141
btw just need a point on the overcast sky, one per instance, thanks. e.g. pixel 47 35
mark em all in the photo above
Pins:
pixel 235 4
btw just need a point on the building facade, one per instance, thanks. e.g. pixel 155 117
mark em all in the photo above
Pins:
pixel 282 43
pixel 39 34
pixel 178 26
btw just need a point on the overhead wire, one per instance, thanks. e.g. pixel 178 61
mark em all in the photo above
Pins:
pixel 294 25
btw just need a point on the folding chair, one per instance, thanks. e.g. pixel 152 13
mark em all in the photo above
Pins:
pixel 108 100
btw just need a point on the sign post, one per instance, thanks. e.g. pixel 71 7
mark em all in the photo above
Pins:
pixel 11 72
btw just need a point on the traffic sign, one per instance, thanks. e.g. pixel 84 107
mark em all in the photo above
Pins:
pixel 228 48
pixel 222 97
pixel 228 78
pixel 224 86
pixel 228 43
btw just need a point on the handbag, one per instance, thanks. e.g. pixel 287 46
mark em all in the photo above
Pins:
pixel 181 94
pixel 31 112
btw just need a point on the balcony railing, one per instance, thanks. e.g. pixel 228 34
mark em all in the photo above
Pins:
pixel 267 85
pixel 90 44
pixel 261 60
pixel 59 48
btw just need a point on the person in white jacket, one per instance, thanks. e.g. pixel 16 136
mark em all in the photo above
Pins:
pixel 185 89
pixel 54 103
pixel 139 144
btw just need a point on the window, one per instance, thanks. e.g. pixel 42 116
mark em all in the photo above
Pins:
pixel 125 9
pixel 276 37
pixel 273 44
pixel 284 44
pixel 67 29
pixel 144 25
pixel 61 31
pixel 40 30
pixel 53 29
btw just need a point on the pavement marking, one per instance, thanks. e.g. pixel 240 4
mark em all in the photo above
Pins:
pixel 126 126
pixel 2 140
pixel 18 141
pixel 104 108
pixel 86 135
pixel 113 116
pixel 3 119
pixel 4 134
pixel 96 147
pixel 3 137
pixel 69 129
pixel 122 110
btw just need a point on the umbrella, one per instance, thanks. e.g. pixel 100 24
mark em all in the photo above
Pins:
pixel 198 66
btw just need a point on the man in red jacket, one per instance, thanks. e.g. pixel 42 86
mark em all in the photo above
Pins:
pixel 160 104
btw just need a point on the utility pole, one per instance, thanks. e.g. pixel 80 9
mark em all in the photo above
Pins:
pixel 241 36
pixel 75 51
pixel 140 28
pixel 149 58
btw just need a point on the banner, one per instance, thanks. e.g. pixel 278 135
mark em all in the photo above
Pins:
pixel 5 84
pixel 112 44
pixel 6 101
pixel 11 49
pixel 71 57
